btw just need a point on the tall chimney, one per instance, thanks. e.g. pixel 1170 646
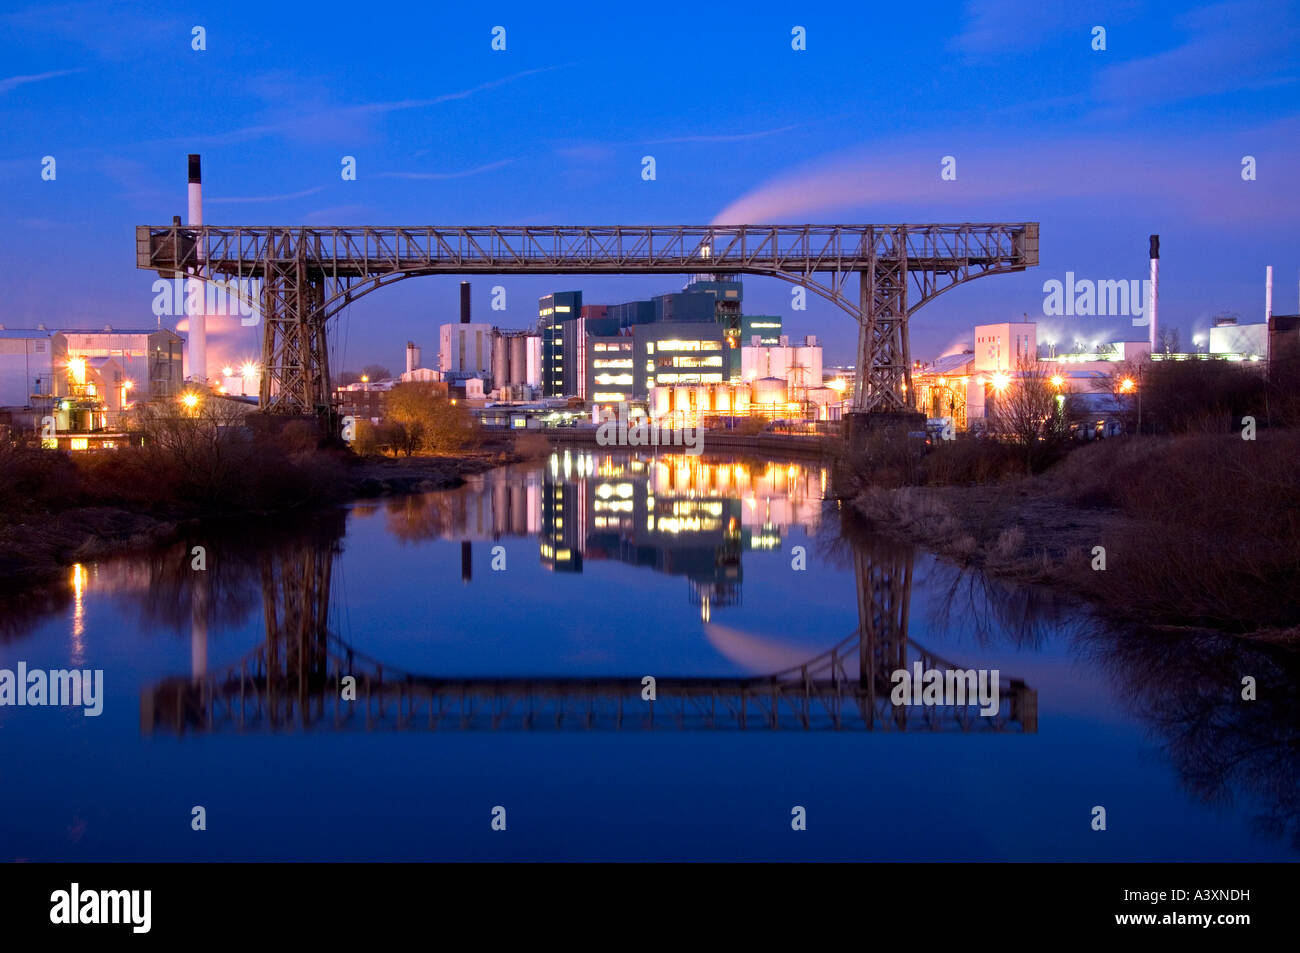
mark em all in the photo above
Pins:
pixel 412 356
pixel 1268 294
pixel 1153 304
pixel 464 302
pixel 198 333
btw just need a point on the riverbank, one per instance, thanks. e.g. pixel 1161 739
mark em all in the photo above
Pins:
pixel 59 511
pixel 1196 533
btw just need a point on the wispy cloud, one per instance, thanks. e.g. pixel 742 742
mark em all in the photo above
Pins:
pixel 996 26
pixel 1244 44
pixel 739 137
pixel 13 82
pixel 350 120
pixel 445 175
pixel 250 199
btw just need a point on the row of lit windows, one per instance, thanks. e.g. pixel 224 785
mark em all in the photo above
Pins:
pixel 686 379
pixel 713 361
pixel 617 346
pixel 616 379
pixel 612 362
pixel 679 345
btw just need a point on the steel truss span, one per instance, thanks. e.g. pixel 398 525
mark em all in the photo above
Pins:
pixel 844 689
pixel 310 274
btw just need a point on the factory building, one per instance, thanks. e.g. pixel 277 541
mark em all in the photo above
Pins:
pixel 28 358
pixel 150 359
pixel 465 348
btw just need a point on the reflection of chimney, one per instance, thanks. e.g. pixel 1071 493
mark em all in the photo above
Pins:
pixel 199 627
pixel 1155 288
pixel 466 562
pixel 464 302
pixel 198 322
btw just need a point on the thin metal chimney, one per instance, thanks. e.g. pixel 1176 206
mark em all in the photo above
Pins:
pixel 1268 294
pixel 1153 304
pixel 464 302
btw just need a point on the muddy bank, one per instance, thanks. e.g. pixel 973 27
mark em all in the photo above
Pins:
pixel 36 548
pixel 1199 533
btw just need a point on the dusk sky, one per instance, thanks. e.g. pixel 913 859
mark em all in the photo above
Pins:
pixel 1102 147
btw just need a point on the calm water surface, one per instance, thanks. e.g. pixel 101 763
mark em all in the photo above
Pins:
pixel 500 634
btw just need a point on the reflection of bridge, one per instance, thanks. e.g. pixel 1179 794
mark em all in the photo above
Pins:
pixel 310 274
pixel 295 679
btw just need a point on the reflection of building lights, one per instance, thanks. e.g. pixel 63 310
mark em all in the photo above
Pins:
pixel 78 614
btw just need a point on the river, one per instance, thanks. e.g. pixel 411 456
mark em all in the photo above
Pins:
pixel 501 642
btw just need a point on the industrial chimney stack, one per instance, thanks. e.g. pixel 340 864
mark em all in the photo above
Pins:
pixel 412 357
pixel 198 322
pixel 1153 304
pixel 464 302
pixel 1268 294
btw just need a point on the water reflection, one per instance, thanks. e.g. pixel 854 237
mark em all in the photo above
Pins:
pixel 712 527
pixel 1188 686
pixel 678 516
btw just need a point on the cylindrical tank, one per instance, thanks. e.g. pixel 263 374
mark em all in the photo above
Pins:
pixel 661 398
pixel 681 399
pixel 722 398
pixel 768 391
pixel 518 359
pixel 740 400
pixel 500 360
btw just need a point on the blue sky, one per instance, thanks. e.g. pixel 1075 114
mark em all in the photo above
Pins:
pixel 1101 147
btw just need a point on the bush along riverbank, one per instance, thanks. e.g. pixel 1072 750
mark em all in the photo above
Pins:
pixel 57 509
pixel 1197 532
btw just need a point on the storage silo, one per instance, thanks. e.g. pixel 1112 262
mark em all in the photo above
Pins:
pixel 661 402
pixel 769 394
pixel 518 359
pixel 500 359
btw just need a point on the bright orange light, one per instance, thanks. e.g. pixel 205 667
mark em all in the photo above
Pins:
pixel 127 385
pixel 227 371
pixel 943 381
pixel 1126 385
pixel 248 369
pixel 838 384
pixel 365 378
pixel 1057 381
pixel 1000 381
pixel 190 400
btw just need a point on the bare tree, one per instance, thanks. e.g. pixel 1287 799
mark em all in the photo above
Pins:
pixel 1026 411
